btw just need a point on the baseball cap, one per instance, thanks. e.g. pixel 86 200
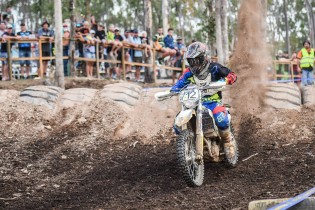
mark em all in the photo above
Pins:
pixel 78 25
pixel 179 38
pixel 92 31
pixel 135 31
pixel 9 26
pixel 116 29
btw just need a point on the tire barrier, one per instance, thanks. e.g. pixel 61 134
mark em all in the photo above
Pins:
pixel 283 96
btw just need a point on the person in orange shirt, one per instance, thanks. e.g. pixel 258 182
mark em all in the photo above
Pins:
pixel 305 62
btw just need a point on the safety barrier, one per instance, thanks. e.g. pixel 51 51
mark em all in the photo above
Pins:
pixel 284 69
pixel 97 59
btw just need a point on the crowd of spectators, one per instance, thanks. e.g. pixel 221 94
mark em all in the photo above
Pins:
pixel 88 33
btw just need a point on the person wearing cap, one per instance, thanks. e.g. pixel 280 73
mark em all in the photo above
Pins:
pixel 89 51
pixel 306 63
pixel 65 44
pixel 46 34
pixel 4 50
pixel 137 55
pixel 24 51
pixel 177 59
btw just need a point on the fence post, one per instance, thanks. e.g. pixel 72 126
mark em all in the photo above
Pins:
pixel 123 61
pixel 292 74
pixel 154 64
pixel 9 59
pixel 97 60
pixel 40 59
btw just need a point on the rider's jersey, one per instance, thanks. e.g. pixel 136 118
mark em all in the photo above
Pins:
pixel 216 71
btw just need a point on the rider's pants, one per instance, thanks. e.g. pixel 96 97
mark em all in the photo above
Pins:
pixel 220 114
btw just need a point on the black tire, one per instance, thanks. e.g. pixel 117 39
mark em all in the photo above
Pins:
pixel 192 172
pixel 233 162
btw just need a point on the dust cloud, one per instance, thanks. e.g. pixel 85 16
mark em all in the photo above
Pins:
pixel 250 58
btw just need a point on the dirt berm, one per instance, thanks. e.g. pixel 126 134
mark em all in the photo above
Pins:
pixel 119 110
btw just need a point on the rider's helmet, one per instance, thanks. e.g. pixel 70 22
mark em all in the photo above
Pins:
pixel 197 55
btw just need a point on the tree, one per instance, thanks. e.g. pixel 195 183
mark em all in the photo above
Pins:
pixel 311 20
pixel 165 16
pixel 225 37
pixel 59 74
pixel 72 4
pixel 218 30
pixel 149 74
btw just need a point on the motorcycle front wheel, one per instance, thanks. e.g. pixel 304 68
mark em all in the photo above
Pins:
pixel 191 170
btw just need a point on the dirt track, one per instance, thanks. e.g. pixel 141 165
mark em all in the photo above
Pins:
pixel 128 175
pixel 71 167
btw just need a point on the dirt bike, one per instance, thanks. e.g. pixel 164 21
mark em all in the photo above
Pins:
pixel 198 132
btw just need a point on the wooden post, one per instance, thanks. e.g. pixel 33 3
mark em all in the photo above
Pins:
pixel 9 59
pixel 97 61
pixel 123 61
pixel 40 73
pixel 275 71
pixel 154 64
pixel 292 74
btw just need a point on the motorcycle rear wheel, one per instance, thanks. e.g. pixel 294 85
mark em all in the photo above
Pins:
pixel 192 172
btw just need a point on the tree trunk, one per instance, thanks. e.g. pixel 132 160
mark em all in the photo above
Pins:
pixel 149 74
pixel 88 10
pixel 225 37
pixel 287 35
pixel 59 75
pixel 311 21
pixel 72 31
pixel 165 16
pixel 218 31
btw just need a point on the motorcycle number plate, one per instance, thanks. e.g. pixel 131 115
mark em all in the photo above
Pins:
pixel 189 95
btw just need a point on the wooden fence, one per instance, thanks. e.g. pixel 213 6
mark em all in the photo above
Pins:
pixel 97 59
pixel 284 69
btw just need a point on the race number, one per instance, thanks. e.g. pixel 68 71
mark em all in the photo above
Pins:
pixel 189 95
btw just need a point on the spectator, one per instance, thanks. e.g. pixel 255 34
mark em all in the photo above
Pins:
pixel 110 39
pixel 89 51
pixel 7 17
pixel 169 43
pixel 45 33
pixel 137 57
pixel 180 50
pixel 160 36
pixel 2 28
pixel 306 63
pixel 66 43
pixel 158 47
pixel 295 68
pixel 118 52
pixel 4 51
pixel 24 51
pixel 145 44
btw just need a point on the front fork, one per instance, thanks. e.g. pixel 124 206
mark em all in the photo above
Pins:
pixel 199 134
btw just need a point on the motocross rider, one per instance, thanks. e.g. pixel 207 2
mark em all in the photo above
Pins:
pixel 202 71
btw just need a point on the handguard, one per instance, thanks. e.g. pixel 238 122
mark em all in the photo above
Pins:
pixel 160 96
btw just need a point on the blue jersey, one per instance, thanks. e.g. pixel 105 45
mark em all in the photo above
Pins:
pixel 24 34
pixel 217 71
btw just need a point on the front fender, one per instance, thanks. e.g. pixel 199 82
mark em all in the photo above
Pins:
pixel 183 117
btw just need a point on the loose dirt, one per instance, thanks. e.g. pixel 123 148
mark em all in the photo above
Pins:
pixel 77 157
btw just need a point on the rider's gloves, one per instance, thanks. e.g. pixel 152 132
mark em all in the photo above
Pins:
pixel 231 78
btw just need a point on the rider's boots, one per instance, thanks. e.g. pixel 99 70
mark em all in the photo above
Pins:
pixel 227 139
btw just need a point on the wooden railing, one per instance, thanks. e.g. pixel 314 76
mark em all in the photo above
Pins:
pixel 277 64
pixel 40 58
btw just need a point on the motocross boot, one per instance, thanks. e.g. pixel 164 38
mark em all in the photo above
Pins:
pixel 227 139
